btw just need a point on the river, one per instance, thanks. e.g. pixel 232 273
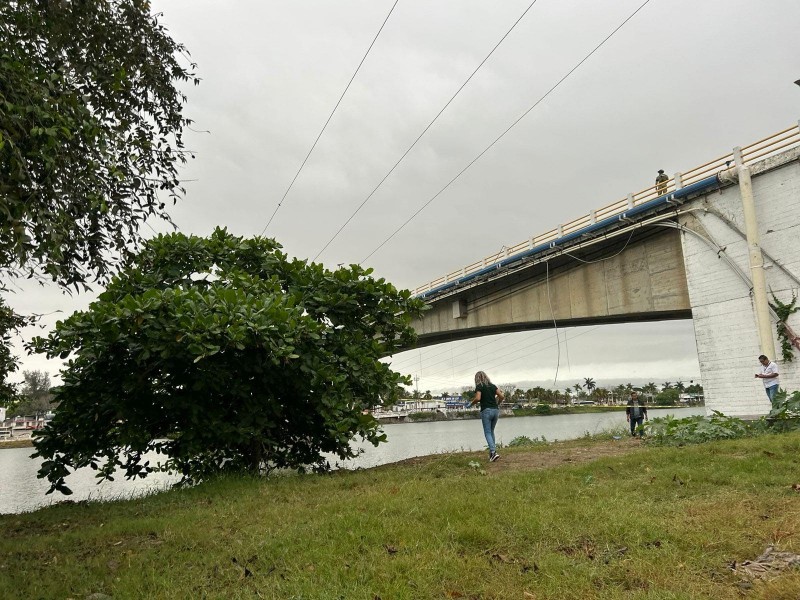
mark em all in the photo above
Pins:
pixel 21 491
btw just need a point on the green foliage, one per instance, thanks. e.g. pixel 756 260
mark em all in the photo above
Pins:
pixel 90 133
pixel 523 441
pixel 35 397
pixel 421 416
pixel 223 354
pixel 784 311
pixel 697 429
pixel 785 414
pixel 10 323
pixel 668 397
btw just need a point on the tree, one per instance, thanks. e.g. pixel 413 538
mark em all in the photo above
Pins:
pixel 223 354
pixel 590 384
pixel 667 385
pixel 668 397
pixel 508 390
pixel 695 389
pixel 10 323
pixel 680 386
pixel 35 396
pixel 90 139
pixel 90 133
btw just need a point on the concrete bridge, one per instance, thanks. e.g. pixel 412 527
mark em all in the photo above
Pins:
pixel 713 245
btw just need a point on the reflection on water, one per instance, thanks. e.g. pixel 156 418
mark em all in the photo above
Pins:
pixel 20 490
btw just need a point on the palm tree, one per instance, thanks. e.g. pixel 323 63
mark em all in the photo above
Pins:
pixel 679 386
pixel 590 384
pixel 650 389
pixel 667 385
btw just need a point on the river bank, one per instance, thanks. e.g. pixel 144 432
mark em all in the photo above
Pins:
pixel 419 529
pixel 544 410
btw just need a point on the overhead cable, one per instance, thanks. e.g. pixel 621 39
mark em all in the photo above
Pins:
pixel 502 135
pixel 424 131
pixel 314 145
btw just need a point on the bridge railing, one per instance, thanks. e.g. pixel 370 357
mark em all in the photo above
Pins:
pixel 774 144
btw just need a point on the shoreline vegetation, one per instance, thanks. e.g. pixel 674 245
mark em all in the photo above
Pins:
pixel 546 521
pixel 538 411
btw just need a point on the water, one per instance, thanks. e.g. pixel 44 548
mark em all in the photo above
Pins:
pixel 21 491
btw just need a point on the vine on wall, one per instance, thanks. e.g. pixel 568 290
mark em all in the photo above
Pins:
pixel 787 337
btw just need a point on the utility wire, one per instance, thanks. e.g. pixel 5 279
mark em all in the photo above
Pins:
pixel 314 145
pixel 502 135
pixel 424 131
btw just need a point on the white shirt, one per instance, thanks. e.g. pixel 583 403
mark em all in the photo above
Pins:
pixel 770 381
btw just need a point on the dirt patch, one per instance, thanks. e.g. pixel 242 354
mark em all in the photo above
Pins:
pixel 541 457
pixel 560 455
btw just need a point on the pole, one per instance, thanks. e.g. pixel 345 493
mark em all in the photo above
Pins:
pixel 760 301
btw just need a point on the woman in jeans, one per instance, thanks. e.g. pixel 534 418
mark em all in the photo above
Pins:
pixel 487 394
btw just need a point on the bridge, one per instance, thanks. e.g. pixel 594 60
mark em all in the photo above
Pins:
pixel 712 244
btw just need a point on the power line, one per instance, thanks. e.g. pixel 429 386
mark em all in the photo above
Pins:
pixel 314 145
pixel 502 135
pixel 424 131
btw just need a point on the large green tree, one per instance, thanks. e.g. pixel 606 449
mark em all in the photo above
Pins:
pixel 90 140
pixel 90 133
pixel 223 354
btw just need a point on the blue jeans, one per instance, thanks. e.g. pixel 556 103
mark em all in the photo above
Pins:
pixel 489 418
pixel 636 422
pixel 771 391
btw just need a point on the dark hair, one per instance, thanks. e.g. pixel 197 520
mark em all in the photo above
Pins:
pixel 763 357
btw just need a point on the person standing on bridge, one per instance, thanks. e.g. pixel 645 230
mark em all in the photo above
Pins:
pixel 769 375
pixel 636 413
pixel 661 183
pixel 488 394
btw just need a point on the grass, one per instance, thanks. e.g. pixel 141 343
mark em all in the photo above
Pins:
pixel 640 523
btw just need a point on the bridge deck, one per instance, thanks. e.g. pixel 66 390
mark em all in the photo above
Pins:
pixel 681 185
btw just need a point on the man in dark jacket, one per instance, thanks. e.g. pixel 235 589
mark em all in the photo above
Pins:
pixel 636 413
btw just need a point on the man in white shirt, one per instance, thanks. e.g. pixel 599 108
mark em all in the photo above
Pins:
pixel 769 375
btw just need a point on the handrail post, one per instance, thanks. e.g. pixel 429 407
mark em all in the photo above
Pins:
pixel 678 181
pixel 630 200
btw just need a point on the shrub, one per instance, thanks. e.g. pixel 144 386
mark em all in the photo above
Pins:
pixel 523 440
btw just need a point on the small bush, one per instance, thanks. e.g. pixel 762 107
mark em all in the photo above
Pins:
pixel 696 430
pixel 523 440
pixel 420 416
pixel 785 414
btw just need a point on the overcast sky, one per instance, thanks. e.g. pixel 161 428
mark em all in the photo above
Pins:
pixel 679 84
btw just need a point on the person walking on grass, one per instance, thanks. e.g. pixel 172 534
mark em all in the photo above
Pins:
pixel 487 394
pixel 636 413
pixel 769 376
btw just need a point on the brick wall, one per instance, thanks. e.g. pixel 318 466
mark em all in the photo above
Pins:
pixel 722 308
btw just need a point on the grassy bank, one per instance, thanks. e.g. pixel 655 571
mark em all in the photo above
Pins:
pixel 25 443
pixel 581 519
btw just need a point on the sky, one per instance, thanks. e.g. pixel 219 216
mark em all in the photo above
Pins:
pixel 679 84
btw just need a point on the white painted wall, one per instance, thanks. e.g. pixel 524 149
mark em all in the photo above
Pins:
pixel 723 315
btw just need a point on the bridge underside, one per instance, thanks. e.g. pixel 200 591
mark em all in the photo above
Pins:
pixel 635 277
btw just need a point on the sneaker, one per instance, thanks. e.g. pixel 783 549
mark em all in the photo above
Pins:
pixel 494 457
